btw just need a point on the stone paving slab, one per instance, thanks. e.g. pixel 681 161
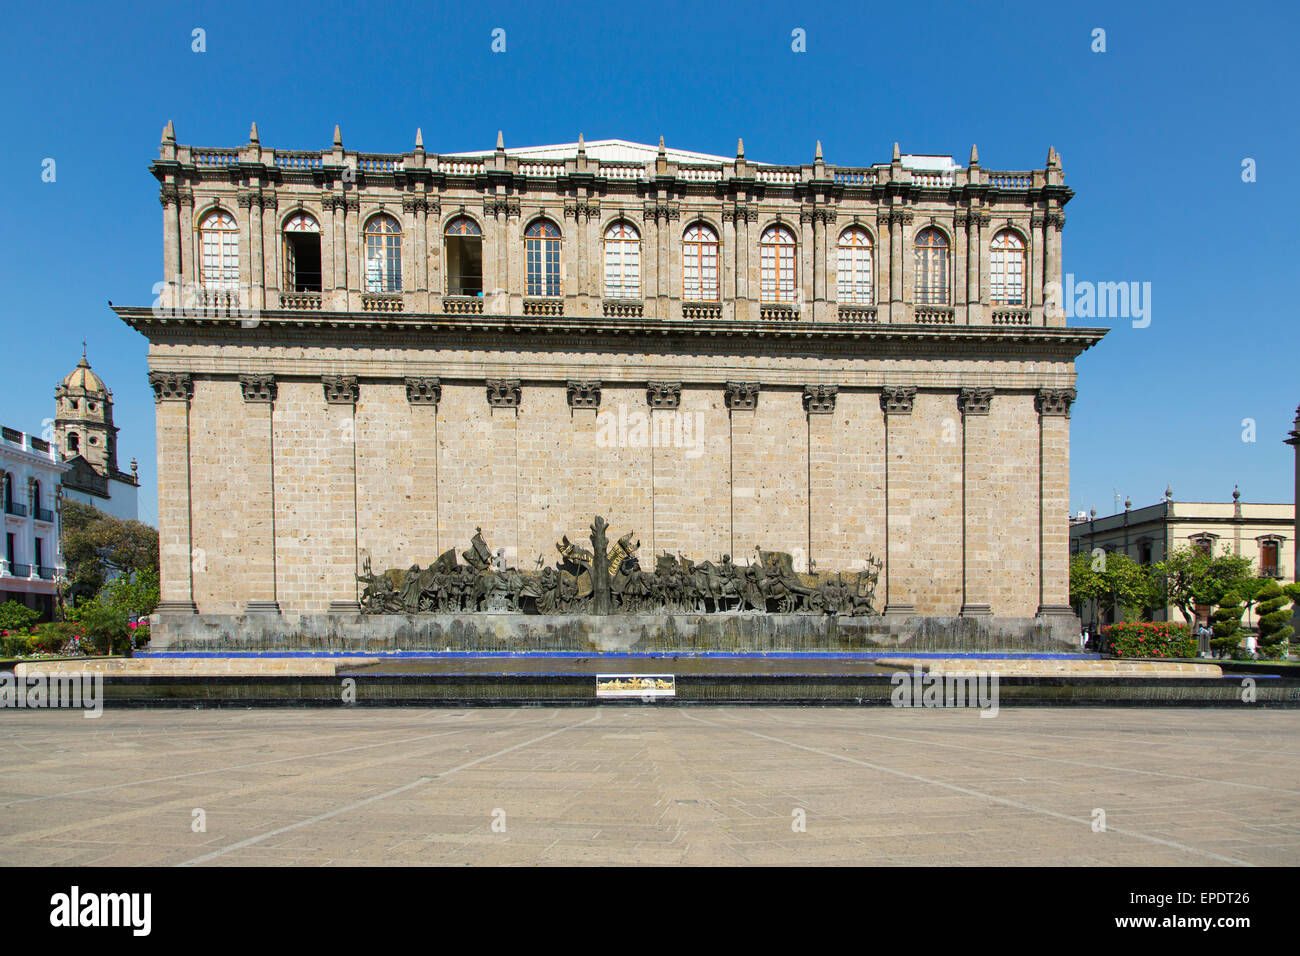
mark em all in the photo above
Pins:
pixel 651 786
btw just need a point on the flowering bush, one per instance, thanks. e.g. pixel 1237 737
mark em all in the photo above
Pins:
pixel 1150 639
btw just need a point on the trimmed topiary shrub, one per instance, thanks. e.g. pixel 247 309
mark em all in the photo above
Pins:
pixel 1274 609
pixel 1226 624
pixel 1150 639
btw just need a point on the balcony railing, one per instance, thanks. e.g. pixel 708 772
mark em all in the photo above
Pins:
pixel 14 508
pixel 701 310
pixel 300 300
pixel 777 312
pixel 462 304
pixel 857 313
pixel 45 572
pixel 20 570
pixel 543 306
pixel 1004 316
pixel 381 302
pixel 934 315
pixel 623 308
pixel 43 514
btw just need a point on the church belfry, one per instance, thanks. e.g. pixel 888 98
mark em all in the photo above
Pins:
pixel 83 423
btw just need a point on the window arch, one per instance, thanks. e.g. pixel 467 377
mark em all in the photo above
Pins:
pixel 1007 268
pixel 464 241
pixel 219 251
pixel 622 261
pixel 542 258
pixel 36 497
pixel 776 271
pixel 700 263
pixel 931 267
pixel 302 261
pixel 8 491
pixel 854 269
pixel 74 443
pixel 383 254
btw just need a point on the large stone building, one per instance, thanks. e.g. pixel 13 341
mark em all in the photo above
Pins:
pixel 363 357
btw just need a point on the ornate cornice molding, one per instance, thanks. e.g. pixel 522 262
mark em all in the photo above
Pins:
pixel 341 389
pixel 897 399
pixel 819 399
pixel 503 392
pixel 258 388
pixel 741 396
pixel 171 386
pixel 663 394
pixel 1055 401
pixel 975 401
pixel 423 391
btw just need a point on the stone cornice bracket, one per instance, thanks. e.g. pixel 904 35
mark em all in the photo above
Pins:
pixel 171 386
pixel 975 401
pixel 258 388
pixel 583 394
pixel 423 391
pixel 663 394
pixel 897 399
pixel 819 399
pixel 1055 401
pixel 341 389
pixel 503 392
pixel 741 396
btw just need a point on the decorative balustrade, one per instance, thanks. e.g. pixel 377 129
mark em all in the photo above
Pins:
pixel 310 301
pixel 778 176
pixel 622 171
pixel 541 170
pixel 462 304
pixel 1011 180
pixel 701 310
pixel 934 315
pixel 777 312
pixel 1010 317
pixel 297 159
pixel 700 174
pixel 45 572
pixel 17 509
pixel 43 514
pixel 623 308
pixel 220 300
pixel 381 302
pixel 460 167
pixel 215 157
pixel 20 570
pixel 932 180
pixel 378 163
pixel 543 307
pixel 855 177
pixel 858 313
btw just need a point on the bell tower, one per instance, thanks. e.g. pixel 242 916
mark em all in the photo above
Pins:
pixel 83 422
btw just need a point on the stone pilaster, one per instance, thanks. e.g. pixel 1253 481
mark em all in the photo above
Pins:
pixel 1053 405
pixel 341 395
pixel 741 399
pixel 900 452
pixel 172 394
pixel 259 575
pixel 978 446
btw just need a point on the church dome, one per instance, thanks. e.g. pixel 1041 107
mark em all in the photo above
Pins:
pixel 83 379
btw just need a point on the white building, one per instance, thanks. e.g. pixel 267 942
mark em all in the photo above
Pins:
pixel 30 470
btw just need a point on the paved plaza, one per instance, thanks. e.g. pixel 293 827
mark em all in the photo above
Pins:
pixel 651 785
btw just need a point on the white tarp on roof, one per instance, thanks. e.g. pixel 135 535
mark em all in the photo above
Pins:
pixel 608 151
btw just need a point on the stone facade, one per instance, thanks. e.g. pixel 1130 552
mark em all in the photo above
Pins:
pixel 302 432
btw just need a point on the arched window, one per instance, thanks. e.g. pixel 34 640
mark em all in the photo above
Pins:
pixel 74 443
pixel 542 256
pixel 302 254
pixel 622 261
pixel 36 497
pixel 464 241
pixel 383 254
pixel 776 265
pixel 700 264
pixel 854 269
pixel 9 491
pixel 219 245
pixel 1007 269
pixel 931 268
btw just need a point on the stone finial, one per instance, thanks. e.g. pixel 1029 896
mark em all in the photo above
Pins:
pixel 1236 493
pixel 898 156
pixel 1169 492
pixel 817 156
pixel 1053 158
pixel 169 133
pixel 338 136
pixel 974 155
pixel 582 143
pixel 1128 503
pixel 419 140
pixel 252 135
pixel 740 148
pixel 662 152
pixel 501 142
pixel 135 470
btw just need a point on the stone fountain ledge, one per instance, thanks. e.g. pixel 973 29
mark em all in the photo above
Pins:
pixel 1052 668
pixel 592 633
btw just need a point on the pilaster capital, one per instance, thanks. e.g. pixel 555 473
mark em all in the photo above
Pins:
pixel 258 388
pixel 663 394
pixel 975 401
pixel 423 391
pixel 503 392
pixel 741 396
pixel 171 386
pixel 897 399
pixel 1055 401
pixel 583 394
pixel 341 389
pixel 819 399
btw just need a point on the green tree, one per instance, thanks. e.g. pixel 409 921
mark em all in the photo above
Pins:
pixel 1190 577
pixel 16 616
pixel 95 543
pixel 1226 624
pixel 1274 617
pixel 1112 580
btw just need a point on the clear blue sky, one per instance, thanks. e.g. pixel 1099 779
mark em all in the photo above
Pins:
pixel 1152 134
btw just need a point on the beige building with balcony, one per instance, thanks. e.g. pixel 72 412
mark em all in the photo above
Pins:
pixel 364 356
